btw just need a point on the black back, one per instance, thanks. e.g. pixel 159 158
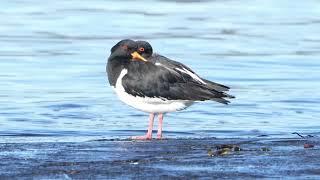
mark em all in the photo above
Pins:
pixel 156 58
pixel 171 64
pixel 145 79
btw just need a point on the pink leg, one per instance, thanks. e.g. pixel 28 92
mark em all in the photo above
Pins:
pixel 148 136
pixel 159 134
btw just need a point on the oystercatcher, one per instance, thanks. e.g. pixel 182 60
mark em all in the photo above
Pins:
pixel 155 84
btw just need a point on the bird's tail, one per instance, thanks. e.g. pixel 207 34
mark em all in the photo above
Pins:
pixel 215 86
pixel 222 97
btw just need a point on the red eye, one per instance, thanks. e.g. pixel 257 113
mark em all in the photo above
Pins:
pixel 141 49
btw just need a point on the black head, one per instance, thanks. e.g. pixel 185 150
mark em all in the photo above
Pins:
pixel 125 50
pixel 122 54
pixel 144 49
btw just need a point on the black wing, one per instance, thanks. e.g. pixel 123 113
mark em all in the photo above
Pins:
pixel 156 58
pixel 150 80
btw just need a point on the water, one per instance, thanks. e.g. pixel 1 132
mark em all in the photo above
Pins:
pixel 53 56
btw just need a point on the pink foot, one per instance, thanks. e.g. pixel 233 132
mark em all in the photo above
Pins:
pixel 145 137
pixel 159 136
pixel 148 136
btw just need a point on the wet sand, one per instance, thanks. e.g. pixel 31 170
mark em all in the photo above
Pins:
pixel 262 157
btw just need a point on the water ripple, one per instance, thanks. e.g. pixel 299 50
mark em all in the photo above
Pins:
pixel 53 56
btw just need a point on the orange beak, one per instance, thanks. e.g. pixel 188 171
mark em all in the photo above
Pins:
pixel 135 55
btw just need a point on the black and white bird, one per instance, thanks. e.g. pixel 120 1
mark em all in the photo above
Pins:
pixel 155 84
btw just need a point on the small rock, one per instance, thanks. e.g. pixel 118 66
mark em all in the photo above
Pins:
pixel 224 146
pixel 224 151
pixel 237 148
pixel 265 149
pixel 219 152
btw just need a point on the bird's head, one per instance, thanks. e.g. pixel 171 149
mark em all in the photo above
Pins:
pixel 126 49
pixel 144 49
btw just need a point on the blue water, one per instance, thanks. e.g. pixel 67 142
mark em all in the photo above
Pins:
pixel 53 56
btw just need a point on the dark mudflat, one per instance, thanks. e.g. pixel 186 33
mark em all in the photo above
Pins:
pixel 171 158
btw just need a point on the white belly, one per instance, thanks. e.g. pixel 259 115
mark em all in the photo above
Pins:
pixel 146 104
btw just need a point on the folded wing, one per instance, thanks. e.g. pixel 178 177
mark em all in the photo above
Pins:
pixel 171 81
pixel 171 64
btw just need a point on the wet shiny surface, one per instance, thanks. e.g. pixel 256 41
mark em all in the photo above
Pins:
pixel 53 56
pixel 167 159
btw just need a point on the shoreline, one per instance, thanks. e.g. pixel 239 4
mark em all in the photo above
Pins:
pixel 259 157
